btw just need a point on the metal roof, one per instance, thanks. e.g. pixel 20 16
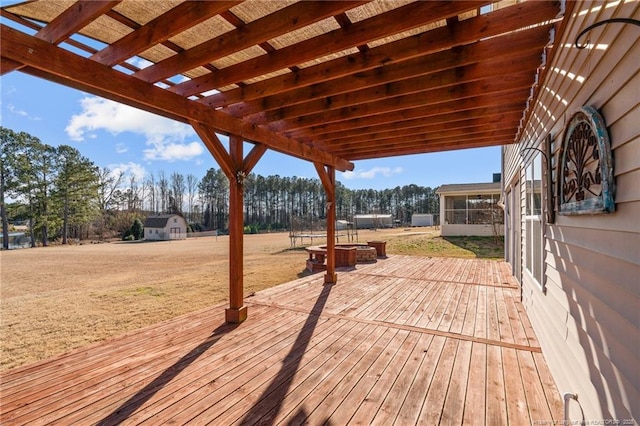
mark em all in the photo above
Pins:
pixel 326 81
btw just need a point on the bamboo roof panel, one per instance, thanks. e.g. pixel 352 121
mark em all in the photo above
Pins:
pixel 409 33
pixel 144 11
pixel 328 58
pixel 306 33
pixel 368 10
pixel 238 57
pixel 212 27
pixel 252 10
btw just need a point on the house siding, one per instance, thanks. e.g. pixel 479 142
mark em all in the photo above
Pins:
pixel 588 321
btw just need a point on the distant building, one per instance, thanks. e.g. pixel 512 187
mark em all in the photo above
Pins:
pixel 17 240
pixel 471 209
pixel 422 220
pixel 371 221
pixel 165 227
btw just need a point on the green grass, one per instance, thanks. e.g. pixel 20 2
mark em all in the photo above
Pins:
pixel 464 247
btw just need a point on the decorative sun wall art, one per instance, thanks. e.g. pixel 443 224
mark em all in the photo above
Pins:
pixel 585 178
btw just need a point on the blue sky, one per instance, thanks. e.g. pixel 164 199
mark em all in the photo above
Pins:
pixel 122 138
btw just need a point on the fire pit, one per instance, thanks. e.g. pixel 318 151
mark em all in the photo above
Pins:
pixel 366 254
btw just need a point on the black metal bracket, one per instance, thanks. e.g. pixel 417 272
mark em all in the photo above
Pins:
pixel 549 194
pixel 597 24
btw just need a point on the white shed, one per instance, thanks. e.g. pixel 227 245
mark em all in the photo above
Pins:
pixel 369 221
pixel 422 220
pixel 165 227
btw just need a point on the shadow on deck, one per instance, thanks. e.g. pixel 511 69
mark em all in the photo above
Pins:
pixel 411 340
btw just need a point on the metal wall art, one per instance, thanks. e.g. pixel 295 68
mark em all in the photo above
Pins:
pixel 585 178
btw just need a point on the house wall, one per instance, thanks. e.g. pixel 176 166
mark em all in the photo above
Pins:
pixel 588 322
pixel 448 230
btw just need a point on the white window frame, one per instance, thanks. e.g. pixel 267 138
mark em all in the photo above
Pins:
pixel 533 221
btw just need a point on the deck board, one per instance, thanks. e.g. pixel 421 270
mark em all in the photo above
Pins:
pixel 406 340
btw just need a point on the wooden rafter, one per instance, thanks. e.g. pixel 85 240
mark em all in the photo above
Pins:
pixel 74 19
pixel 411 118
pixel 183 16
pixel 440 39
pixel 398 20
pixel 293 17
pixel 470 81
pixel 373 84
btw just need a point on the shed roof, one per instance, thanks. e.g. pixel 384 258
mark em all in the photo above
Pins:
pixel 158 221
pixel 330 82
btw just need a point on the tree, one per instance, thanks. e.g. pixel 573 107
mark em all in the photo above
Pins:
pixel 177 190
pixel 214 193
pixel 8 180
pixel 108 195
pixel 192 187
pixel 35 172
pixel 163 186
pixel 137 230
pixel 76 189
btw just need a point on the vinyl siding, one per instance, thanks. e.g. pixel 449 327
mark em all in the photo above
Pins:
pixel 588 322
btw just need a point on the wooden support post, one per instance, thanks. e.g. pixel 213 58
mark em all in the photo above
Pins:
pixel 236 312
pixel 236 168
pixel 328 177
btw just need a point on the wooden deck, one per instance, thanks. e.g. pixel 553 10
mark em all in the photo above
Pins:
pixel 407 340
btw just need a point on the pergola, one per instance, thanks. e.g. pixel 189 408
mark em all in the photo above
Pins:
pixel 329 82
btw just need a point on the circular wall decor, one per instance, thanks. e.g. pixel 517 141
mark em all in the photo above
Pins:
pixel 585 178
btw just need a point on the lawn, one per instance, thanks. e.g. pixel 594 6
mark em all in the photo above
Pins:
pixel 63 297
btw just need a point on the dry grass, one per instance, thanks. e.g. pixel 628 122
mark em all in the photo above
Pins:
pixel 62 297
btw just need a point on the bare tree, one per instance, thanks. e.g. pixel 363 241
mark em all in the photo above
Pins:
pixel 192 190
pixel 163 187
pixel 150 184
pixel 178 188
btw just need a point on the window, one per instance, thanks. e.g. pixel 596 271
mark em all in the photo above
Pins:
pixel 533 219
pixel 480 209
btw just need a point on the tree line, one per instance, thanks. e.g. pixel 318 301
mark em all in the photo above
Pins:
pixel 63 195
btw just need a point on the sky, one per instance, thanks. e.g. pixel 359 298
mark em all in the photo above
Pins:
pixel 126 139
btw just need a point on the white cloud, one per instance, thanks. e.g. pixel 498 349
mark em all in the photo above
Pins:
pixel 14 110
pixel 372 173
pixel 165 138
pixel 174 151
pixel 17 111
pixel 121 148
pixel 129 169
